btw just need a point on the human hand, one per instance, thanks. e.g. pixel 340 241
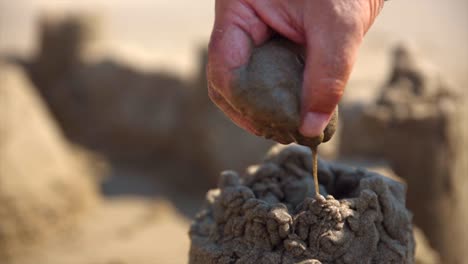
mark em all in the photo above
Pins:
pixel 331 32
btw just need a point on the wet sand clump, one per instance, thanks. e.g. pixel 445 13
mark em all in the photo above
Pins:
pixel 268 91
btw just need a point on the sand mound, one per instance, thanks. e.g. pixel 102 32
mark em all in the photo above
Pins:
pixel 43 187
pixel 271 216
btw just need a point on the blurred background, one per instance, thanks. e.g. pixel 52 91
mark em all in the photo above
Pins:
pixel 108 141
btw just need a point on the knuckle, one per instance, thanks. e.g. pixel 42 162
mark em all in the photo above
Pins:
pixel 333 89
pixel 326 95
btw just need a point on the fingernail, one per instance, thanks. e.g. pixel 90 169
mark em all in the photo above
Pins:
pixel 314 124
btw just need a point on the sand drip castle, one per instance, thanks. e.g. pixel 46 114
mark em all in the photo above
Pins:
pixel 271 215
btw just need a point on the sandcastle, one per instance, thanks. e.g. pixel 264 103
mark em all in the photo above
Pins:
pixel 420 113
pixel 45 187
pixel 272 215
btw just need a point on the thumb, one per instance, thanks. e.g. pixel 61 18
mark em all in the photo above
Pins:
pixel 329 61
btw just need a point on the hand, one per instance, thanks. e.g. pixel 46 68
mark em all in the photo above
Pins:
pixel 331 32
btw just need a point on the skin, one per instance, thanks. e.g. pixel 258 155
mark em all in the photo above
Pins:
pixel 331 32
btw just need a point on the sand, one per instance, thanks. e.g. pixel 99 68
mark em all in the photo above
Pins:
pixel 420 113
pixel 268 89
pixel 45 187
pixel 271 215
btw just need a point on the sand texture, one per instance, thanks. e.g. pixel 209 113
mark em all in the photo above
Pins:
pixel 270 215
pixel 268 90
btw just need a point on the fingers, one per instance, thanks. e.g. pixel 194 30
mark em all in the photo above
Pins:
pixel 236 30
pixel 332 47
pixel 233 114
pixel 325 77
pixel 331 30
pixel 284 16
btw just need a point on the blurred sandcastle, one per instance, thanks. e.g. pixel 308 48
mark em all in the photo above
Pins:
pixel 148 120
pixel 51 211
pixel 132 115
pixel 417 126
pixel 44 187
